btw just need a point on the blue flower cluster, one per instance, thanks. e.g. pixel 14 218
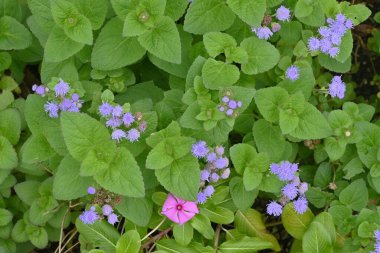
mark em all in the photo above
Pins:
pixel 331 35
pixel 292 73
pixel 229 106
pixel 91 216
pixel 116 118
pixel 286 171
pixel 62 100
pixel 377 244
pixel 216 167
pixel 264 32
pixel 337 87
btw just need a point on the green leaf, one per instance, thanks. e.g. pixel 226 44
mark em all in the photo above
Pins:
pixel 334 65
pixel 175 8
pixel 5 60
pixel 163 41
pixel 100 234
pixel 250 222
pixel 312 15
pixel 355 195
pixel 27 191
pixel 129 242
pixel 112 50
pixel 40 123
pixel 42 13
pixel 19 234
pixel 59 40
pixel 312 124
pixel 216 42
pixel 181 177
pixel 37 236
pixel 323 175
pixel 217 74
pixel 36 149
pixel 218 214
pixel 335 148
pixel 254 173
pixel 353 168
pixel 83 134
pixel 133 26
pixel 208 16
pixel 68 184
pixel 203 225
pixel 125 169
pixel 316 239
pixel 10 125
pixel 345 47
pixel 183 234
pixel 262 56
pixel 8 156
pixel 5 216
pixel 368 146
pixel 6 98
pixel 245 245
pixel 358 13
pixel 13 35
pixel 327 221
pixel 171 246
pixel 94 10
pixel 242 198
pixel 251 12
pixel 294 223
pixel 291 33
pixel 75 25
pixel 241 156
pixel 136 210
pixel 269 101
pixel 269 139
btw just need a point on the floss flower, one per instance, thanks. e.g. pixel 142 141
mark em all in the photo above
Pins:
pixel 90 216
pixel 292 73
pixel 178 210
pixel 337 87
pixel 229 106
pixel 377 243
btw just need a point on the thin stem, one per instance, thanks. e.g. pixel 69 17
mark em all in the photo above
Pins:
pixel 68 240
pixel 156 237
pixel 274 224
pixel 68 250
pixel 154 230
pixel 61 233
pixel 217 234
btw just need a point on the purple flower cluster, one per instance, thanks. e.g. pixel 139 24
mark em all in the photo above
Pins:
pixel 116 118
pixel 286 171
pixel 62 100
pixel 229 106
pixel 331 36
pixel 377 244
pixel 337 87
pixel 216 167
pixel 264 32
pixel 91 216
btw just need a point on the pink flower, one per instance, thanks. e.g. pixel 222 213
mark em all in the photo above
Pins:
pixel 179 210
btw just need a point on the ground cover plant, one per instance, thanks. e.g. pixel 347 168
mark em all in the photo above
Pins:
pixel 231 126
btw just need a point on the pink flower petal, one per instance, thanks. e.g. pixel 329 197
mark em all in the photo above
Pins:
pixel 170 202
pixel 172 214
pixel 190 207
pixel 183 217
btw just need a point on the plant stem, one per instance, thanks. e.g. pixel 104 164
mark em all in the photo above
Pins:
pixel 154 230
pixel 217 234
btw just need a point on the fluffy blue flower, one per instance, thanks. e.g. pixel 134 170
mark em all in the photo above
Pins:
pixel 107 210
pixel 117 111
pixel 313 44
pixel 113 122
pixel 199 149
pixel 52 108
pixel 292 73
pixel 290 191
pixel 300 205
pixel 274 208
pixel 201 198
pixel 205 174
pixel 118 135
pixel 128 119
pixel 209 190
pixel 283 13
pixel 61 88
pixel 221 163
pixel 211 157
pixel 337 87
pixel 112 219
pixel 89 217
pixel 262 32
pixel 133 135
pixel 105 109
pixel 91 190
pixel 285 170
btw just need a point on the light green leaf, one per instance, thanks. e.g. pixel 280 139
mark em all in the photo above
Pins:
pixel 129 242
pixel 218 214
pixel 242 198
pixel 94 10
pixel 163 41
pixel 68 184
pixel 241 156
pixel 181 177
pixel 316 239
pixel 251 12
pixel 137 210
pixel 269 101
pixel 245 245
pixel 75 25
pixel 100 234
pixel 262 56
pixel 296 224
pixel 27 191
pixel 83 133
pixel 183 234
pixel 125 169
pixel 217 74
pixel 203 225
pixel 5 60
pixel 176 8
pixel 112 50
pixel 13 35
pixel 36 149
pixel 312 124
pixel 37 236
pixel 217 42
pixel 5 216
pixel 10 125
pixel 208 16
pixel 8 156
pixel 334 65
pixel 345 47
pixel 67 47
pixel 355 195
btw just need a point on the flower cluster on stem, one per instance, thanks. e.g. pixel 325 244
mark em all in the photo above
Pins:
pixel 263 32
pixel 293 191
